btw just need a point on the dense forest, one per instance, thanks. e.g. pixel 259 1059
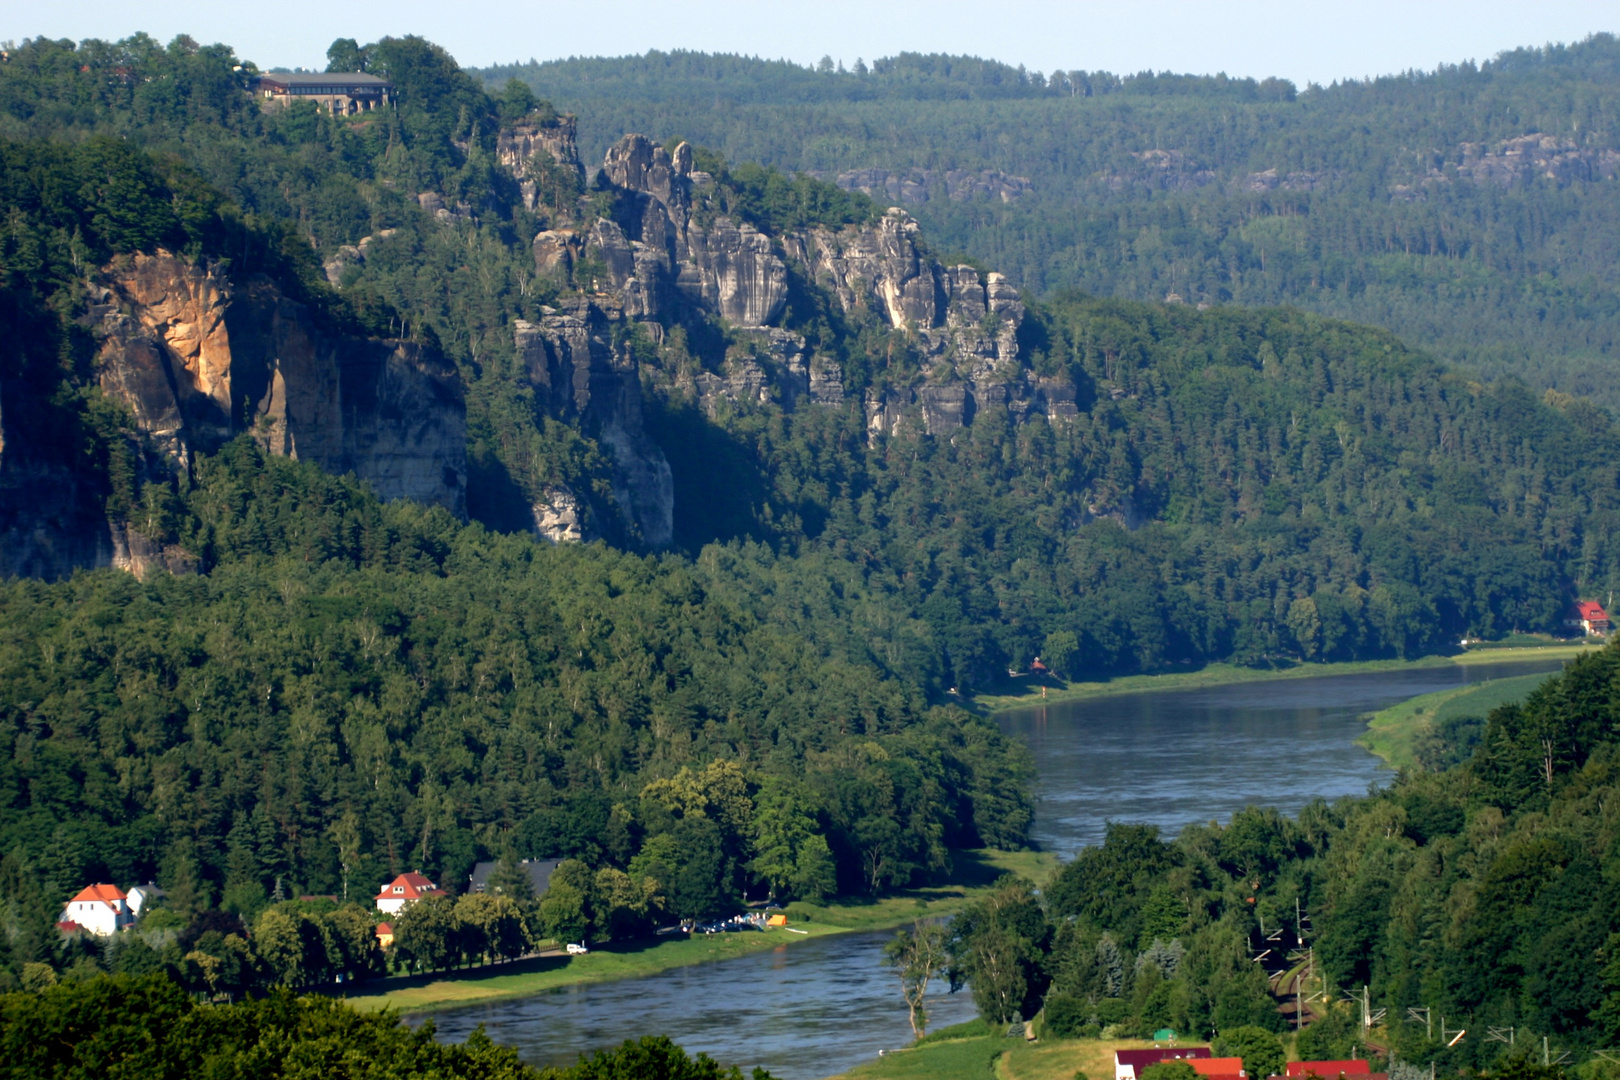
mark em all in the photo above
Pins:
pixel 356 688
pixel 1482 892
pixel 1470 209
pixel 151 1027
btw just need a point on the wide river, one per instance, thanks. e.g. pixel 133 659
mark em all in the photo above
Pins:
pixel 814 1008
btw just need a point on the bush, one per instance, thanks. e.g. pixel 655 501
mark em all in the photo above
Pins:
pixel 1261 1051
pixel 1065 1016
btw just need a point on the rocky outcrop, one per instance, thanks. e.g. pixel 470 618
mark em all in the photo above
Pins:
pixel 664 261
pixel 736 274
pixel 197 358
pixel 352 255
pixel 536 151
pixel 581 378
pixel 558 516
pixel 914 186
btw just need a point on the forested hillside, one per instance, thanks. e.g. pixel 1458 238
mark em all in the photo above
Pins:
pixel 1470 209
pixel 1482 893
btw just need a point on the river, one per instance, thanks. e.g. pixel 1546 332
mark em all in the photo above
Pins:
pixel 1170 758
pixel 1180 756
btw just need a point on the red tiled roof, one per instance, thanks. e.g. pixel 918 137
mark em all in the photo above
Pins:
pixel 1591 611
pixel 104 893
pixel 384 928
pixel 69 927
pixel 1213 1067
pixel 415 887
pixel 1354 1067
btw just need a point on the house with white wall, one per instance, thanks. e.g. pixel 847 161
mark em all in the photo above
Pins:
pixel 405 889
pixel 100 909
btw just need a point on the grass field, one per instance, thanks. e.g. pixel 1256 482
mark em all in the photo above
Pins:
pixel 974 871
pixel 1022 692
pixel 995 1057
pixel 1392 732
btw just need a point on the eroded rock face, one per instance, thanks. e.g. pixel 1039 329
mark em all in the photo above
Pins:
pixel 739 277
pixel 558 517
pixel 664 262
pixel 580 377
pixel 187 352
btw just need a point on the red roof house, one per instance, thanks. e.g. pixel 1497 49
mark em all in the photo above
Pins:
pixel 1589 617
pixel 1329 1069
pixel 1128 1064
pixel 405 889
pixel 100 909
pixel 1227 1068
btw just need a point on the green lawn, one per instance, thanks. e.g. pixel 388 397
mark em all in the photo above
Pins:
pixel 952 1059
pixel 1392 732
pixel 1023 692
pixel 994 1057
pixel 973 873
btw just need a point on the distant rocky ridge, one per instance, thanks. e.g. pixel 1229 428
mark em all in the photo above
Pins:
pixel 1513 162
pixel 913 186
pixel 1516 162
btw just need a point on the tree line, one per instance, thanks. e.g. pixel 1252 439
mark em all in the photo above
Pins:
pixel 151 1026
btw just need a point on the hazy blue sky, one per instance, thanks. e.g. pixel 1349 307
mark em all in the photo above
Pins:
pixel 1304 40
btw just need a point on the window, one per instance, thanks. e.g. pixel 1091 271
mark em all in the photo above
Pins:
pixel 399 888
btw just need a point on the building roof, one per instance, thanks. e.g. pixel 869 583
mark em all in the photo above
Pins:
pixel 68 926
pixel 106 894
pixel 1591 611
pixel 1226 1066
pixel 384 929
pixel 413 887
pixel 1352 1067
pixel 539 871
pixel 1141 1059
pixel 340 80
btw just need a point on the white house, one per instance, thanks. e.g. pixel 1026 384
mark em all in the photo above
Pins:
pixel 100 909
pixel 142 897
pixel 405 889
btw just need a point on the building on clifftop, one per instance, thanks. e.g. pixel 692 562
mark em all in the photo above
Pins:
pixel 341 93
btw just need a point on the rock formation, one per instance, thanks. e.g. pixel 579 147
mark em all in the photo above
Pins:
pixel 666 262
pixel 923 185
pixel 197 358
pixel 579 377
pixel 529 148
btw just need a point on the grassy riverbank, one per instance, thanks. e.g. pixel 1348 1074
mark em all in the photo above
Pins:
pixel 965 1052
pixel 974 872
pixel 1023 692
pixel 1394 733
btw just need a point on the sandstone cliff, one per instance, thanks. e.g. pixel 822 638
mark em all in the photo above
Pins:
pixel 667 262
pixel 197 358
pixel 581 378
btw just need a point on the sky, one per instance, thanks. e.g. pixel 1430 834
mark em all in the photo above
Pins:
pixel 1303 40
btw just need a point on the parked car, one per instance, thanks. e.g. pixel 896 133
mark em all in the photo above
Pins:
pixel 577 950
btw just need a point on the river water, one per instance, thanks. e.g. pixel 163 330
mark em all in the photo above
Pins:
pixel 1180 756
pixel 820 1007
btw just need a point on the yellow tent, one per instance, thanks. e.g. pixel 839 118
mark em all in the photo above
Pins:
pixel 776 920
